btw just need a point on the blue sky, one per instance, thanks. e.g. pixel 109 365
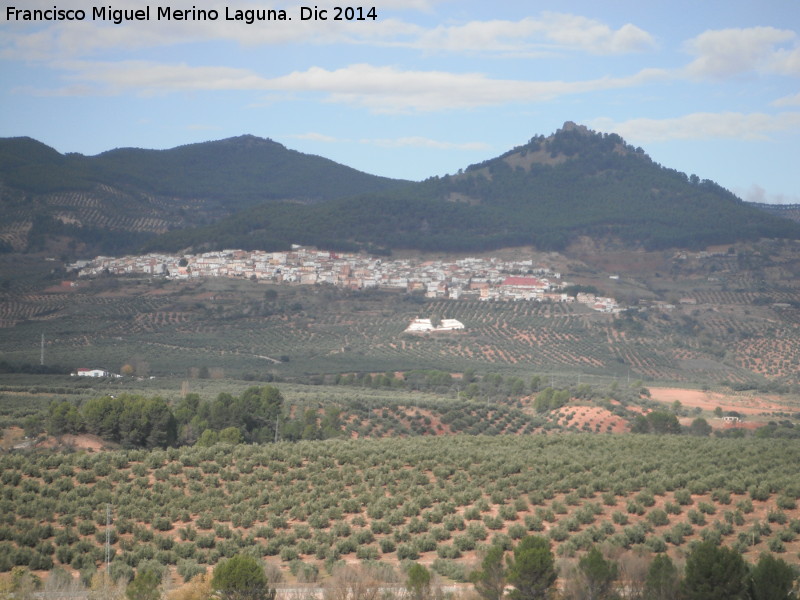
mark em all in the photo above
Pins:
pixel 428 87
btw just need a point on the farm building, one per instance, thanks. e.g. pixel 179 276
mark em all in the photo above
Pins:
pixel 425 325
pixel 92 373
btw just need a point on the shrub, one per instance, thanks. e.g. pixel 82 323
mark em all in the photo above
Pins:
pixel 86 528
pixel 635 508
pixel 367 553
pixel 696 517
pixel 451 569
pixel 517 531
pixel 759 493
pixel 645 498
pixel 289 553
pixel 619 518
pixel 777 516
pixel 188 569
pixel 721 496
pixel 656 544
pixel 706 508
pixel 776 545
pixel 658 517
pixel 407 552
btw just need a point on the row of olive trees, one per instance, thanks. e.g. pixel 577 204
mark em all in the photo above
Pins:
pixel 365 499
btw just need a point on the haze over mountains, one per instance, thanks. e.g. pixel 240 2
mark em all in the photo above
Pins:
pixel 249 192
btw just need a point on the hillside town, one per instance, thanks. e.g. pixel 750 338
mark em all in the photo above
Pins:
pixel 468 278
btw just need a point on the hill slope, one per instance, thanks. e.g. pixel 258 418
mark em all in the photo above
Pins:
pixel 546 193
pixel 786 211
pixel 137 193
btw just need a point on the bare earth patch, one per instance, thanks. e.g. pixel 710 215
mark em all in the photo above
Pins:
pixel 745 404
pixel 597 418
pixel 83 442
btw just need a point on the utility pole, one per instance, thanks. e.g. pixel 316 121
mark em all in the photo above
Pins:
pixel 41 356
pixel 108 542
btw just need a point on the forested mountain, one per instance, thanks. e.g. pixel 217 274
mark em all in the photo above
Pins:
pixel 116 200
pixel 248 192
pixel 545 193
pixel 787 211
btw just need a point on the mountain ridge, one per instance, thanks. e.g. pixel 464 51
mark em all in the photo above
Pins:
pixel 545 193
pixel 251 192
pixel 114 201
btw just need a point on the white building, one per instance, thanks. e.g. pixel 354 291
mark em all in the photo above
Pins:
pixel 425 326
pixel 93 373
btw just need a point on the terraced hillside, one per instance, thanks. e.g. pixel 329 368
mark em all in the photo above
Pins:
pixel 731 316
pixel 309 330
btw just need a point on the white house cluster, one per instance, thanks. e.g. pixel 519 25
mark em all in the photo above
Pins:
pixel 467 278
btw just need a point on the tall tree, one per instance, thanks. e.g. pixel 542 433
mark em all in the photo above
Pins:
pixel 532 569
pixel 259 409
pixel 772 579
pixel 490 581
pixel 700 427
pixel 598 575
pixel 145 586
pixel 241 577
pixel 63 417
pixel 663 581
pixel 418 583
pixel 715 573
pixel 664 422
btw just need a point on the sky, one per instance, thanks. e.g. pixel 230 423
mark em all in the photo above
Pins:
pixel 424 88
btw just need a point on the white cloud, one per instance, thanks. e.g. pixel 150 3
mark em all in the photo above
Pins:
pixel 787 62
pixel 702 126
pixel 74 39
pixel 389 90
pixel 730 52
pixel 147 78
pixel 593 36
pixel 548 32
pixel 529 36
pixel 788 101
pixel 379 89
